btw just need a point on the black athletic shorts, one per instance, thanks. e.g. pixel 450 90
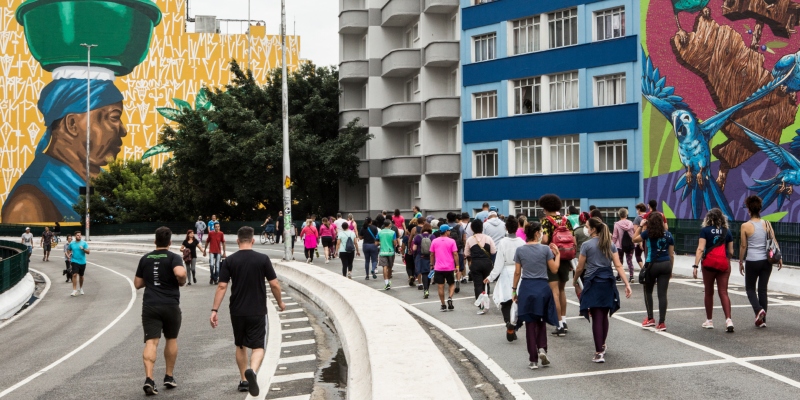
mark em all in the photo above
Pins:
pixel 79 269
pixel 157 319
pixel 439 277
pixel 46 247
pixel 563 272
pixel 327 241
pixel 249 331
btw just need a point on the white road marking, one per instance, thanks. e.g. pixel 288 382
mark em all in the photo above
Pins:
pixel 298 330
pixel 283 321
pixel 290 360
pixel 35 303
pixel 292 377
pixel 439 302
pixel 85 344
pixel 286 304
pixel 298 343
pixel 296 310
pixel 273 352
pixel 301 397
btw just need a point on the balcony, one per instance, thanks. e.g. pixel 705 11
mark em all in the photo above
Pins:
pixel 438 164
pixel 399 12
pixel 443 109
pixel 401 166
pixel 401 114
pixel 346 116
pixel 441 6
pixel 363 169
pixel 401 63
pixel 354 71
pixel 353 22
pixel 442 54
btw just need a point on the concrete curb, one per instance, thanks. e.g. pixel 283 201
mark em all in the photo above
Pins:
pixel 272 353
pixel 787 280
pixel 370 325
pixel 13 299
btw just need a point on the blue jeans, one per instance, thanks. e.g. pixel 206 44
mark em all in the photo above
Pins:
pixel 213 265
pixel 370 256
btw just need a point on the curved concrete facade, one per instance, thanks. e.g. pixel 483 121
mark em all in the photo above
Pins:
pixel 442 54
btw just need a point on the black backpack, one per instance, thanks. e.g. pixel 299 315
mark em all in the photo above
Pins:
pixel 626 242
pixel 457 234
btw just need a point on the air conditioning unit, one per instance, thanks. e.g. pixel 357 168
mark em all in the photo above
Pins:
pixel 205 24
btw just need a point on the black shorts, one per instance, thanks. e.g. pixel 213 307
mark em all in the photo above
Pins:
pixel 46 247
pixel 563 272
pixel 79 269
pixel 439 277
pixel 327 241
pixel 157 319
pixel 249 331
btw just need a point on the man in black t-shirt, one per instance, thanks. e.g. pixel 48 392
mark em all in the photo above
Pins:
pixel 160 273
pixel 249 271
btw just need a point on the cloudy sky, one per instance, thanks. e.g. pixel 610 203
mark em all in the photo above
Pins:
pixel 315 21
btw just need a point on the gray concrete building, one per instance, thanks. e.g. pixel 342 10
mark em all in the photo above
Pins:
pixel 399 75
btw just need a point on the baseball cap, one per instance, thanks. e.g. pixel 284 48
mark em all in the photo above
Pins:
pixel 492 208
pixel 27 228
pixel 429 218
pixel 444 228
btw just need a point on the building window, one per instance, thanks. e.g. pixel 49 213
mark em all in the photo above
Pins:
pixel 412 143
pixel 610 90
pixel 528 156
pixel 485 105
pixel 565 154
pixel 412 36
pixel 563 28
pixel 414 190
pixel 485 163
pixel 527 96
pixel 564 91
pixel 526 35
pixel 609 212
pixel 485 46
pixel 610 24
pixel 412 89
pixel 528 208
pixel 570 202
pixel 612 155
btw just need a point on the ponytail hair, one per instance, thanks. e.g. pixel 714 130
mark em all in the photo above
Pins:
pixel 603 236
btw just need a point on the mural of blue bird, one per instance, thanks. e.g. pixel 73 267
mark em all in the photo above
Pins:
pixel 781 186
pixel 786 67
pixel 694 137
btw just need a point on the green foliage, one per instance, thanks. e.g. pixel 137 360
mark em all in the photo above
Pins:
pixel 124 192
pixel 235 169
pixel 200 103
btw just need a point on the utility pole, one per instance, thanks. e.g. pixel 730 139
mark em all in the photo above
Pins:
pixel 88 128
pixel 287 184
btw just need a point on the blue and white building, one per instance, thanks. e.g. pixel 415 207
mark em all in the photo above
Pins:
pixel 550 101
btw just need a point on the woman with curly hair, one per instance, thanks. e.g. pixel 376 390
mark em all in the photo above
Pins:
pixel 715 233
pixel 661 257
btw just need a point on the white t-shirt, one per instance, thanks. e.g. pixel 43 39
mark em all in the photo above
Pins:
pixel 27 238
pixel 338 223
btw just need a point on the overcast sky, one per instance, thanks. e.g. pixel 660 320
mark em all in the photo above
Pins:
pixel 317 22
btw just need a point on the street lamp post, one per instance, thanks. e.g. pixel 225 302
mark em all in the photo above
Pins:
pixel 287 191
pixel 249 41
pixel 88 127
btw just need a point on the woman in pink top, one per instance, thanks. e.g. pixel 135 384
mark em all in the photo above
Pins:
pixel 327 232
pixel 399 222
pixel 625 248
pixel 310 237
pixel 523 222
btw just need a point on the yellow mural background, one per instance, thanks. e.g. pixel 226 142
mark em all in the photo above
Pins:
pixel 177 66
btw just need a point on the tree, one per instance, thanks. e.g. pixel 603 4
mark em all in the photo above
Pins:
pixel 228 158
pixel 124 192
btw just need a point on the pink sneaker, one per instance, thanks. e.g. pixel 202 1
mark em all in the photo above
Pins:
pixel 648 323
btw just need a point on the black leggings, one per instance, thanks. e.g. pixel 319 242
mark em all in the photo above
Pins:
pixel 757 271
pixel 347 261
pixel 410 267
pixel 505 308
pixel 659 273
pixel 480 269
pixel 310 253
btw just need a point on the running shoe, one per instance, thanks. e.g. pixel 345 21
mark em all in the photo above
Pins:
pixel 463 280
pixel 450 304
pixel 367 277
pixel 481 311
pixel 599 358
pixel 243 386
pixel 420 287
pixel 661 327
pixel 189 283
pixel 760 318
pixel 729 325
pixel 559 332
pixel 411 281
pixel 510 330
pixel 648 323
pixel 211 281
pixel 81 291
pixel 443 308
pixel 386 287
pixel 169 382
pixel 150 387
pixel 708 324
pixel 349 275
pixel 425 295
pixel 458 286
pixel 194 279
pixel 533 365
pixel 74 293
pixel 566 329
pixel 605 347
pixel 327 261
pixel 631 280
pixel 374 275
pixel 252 382
pixel 543 357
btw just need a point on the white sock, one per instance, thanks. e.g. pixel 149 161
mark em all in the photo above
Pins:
pixel 564 319
pixel 561 324
pixel 385 281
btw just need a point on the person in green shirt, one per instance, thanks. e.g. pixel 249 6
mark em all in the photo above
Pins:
pixel 388 243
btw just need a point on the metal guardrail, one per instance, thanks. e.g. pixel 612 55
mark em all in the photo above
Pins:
pixel 14 266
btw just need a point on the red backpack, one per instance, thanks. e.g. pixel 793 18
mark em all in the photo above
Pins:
pixel 563 239
pixel 717 256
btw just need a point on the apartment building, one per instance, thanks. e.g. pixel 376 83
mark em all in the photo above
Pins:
pixel 400 77
pixel 550 104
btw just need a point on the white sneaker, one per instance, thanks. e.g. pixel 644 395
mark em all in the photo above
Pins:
pixel 327 261
pixel 543 357
pixel 533 365
pixel 729 325
pixel 708 324
pixel 74 293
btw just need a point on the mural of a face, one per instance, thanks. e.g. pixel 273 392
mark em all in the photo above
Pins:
pixel 106 137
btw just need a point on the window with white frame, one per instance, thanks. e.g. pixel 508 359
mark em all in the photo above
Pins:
pixel 563 28
pixel 412 89
pixel 485 46
pixel 612 155
pixel 609 90
pixel 567 203
pixel 609 212
pixel 414 191
pixel 412 36
pixel 527 96
pixel 485 105
pixel 486 163
pixel 564 91
pixel 565 154
pixel 526 34
pixel 610 24
pixel 412 143
pixel 528 208
pixel 528 156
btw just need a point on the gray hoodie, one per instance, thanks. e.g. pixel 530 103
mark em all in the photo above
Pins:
pixel 495 228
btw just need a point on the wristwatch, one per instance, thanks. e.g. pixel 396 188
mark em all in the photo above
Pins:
pixel 213 310
pixel 695 266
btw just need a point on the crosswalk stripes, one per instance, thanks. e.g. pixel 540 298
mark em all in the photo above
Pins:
pixel 295 373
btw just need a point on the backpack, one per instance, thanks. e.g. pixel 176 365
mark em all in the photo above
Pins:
pixel 717 256
pixel 457 234
pixel 425 246
pixel 626 242
pixel 563 239
pixel 349 246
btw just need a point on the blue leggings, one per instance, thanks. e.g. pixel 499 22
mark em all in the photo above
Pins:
pixel 370 256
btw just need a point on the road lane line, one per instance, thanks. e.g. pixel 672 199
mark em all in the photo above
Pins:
pixel 304 319
pixel 269 364
pixel 298 343
pixel 297 359
pixel 82 346
pixel 298 330
pixel 296 310
pixel 439 302
pixel 35 303
pixel 292 377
